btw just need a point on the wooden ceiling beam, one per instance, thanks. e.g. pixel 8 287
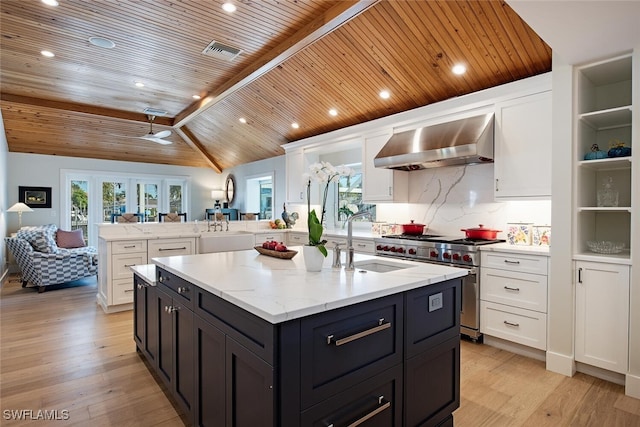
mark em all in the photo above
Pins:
pixel 193 142
pixel 83 108
pixel 324 24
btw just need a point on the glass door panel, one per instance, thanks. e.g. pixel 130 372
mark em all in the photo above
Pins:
pixel 80 207
pixel 114 199
pixel 147 198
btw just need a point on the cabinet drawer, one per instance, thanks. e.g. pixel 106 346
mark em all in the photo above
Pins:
pixel 128 246
pixel 515 262
pixel 183 291
pixel 297 239
pixel 525 327
pixel 348 345
pixel 170 247
pixel 260 238
pixel 523 290
pixel 428 327
pixel 332 240
pixel 364 246
pixel 377 400
pixel 120 264
pixel 122 291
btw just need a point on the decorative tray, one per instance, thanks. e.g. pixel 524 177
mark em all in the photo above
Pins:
pixel 605 247
pixel 288 254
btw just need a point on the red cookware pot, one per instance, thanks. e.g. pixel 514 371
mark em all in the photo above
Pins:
pixel 481 233
pixel 413 229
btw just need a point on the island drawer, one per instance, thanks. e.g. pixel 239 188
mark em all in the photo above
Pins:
pixel 129 246
pixel 345 346
pixel 515 262
pixel 246 328
pixel 377 400
pixel 433 316
pixel 183 291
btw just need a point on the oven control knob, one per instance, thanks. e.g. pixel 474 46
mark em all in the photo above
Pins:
pixel 400 250
pixel 446 255
pixel 466 258
pixel 393 249
pixel 412 251
pixel 379 247
pixel 433 254
pixel 386 248
pixel 456 257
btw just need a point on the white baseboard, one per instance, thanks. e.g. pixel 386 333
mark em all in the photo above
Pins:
pixel 561 364
pixel 114 308
pixel 603 374
pixel 632 386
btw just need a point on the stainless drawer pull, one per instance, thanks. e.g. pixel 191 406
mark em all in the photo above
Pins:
pixel 512 289
pixel 129 246
pixel 183 289
pixel 361 245
pixel 139 286
pixel 129 265
pixel 128 290
pixel 172 249
pixel 381 327
pixel 507 261
pixel 511 324
pixel 373 413
pixel 170 309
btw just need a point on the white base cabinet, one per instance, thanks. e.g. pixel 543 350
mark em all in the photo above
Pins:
pixel 513 297
pixel 115 285
pixel 602 315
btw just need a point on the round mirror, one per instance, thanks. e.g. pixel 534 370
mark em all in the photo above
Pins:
pixel 230 188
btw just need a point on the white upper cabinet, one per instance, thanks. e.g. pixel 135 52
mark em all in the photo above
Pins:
pixel 523 148
pixel 296 190
pixel 381 185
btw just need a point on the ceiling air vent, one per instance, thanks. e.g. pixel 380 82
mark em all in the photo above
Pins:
pixel 154 112
pixel 221 51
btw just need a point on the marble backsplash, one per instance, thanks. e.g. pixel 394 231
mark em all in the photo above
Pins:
pixel 451 198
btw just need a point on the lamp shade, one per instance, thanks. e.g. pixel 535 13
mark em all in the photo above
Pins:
pixel 217 194
pixel 19 207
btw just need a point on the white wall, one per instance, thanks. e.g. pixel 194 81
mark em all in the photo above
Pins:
pixel 275 165
pixel 44 171
pixel 4 202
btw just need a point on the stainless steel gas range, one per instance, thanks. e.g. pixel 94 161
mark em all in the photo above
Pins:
pixel 452 251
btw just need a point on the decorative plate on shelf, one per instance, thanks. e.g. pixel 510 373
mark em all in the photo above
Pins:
pixel 288 254
pixel 605 247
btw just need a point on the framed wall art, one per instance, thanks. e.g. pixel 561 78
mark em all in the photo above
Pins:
pixel 35 197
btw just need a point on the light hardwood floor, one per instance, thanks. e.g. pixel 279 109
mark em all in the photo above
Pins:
pixel 59 351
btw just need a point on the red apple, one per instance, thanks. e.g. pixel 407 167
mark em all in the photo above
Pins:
pixel 272 245
pixel 265 245
pixel 280 247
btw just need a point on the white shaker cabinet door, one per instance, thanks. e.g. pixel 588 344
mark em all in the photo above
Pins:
pixel 602 315
pixel 523 148
pixel 379 184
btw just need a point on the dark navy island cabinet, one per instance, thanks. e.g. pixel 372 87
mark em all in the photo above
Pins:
pixel 385 362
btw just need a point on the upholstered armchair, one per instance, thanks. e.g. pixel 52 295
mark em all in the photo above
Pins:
pixel 44 263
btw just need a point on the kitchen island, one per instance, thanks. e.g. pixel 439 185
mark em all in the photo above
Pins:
pixel 241 338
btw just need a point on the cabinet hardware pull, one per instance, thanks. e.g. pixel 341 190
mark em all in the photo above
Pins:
pixel 361 245
pixel 129 246
pixel 128 290
pixel 172 249
pixel 511 324
pixel 170 309
pixel 511 262
pixel 139 286
pixel 390 191
pixel 183 289
pixel 129 265
pixel 166 308
pixel 512 289
pixel 381 326
pixel 497 184
pixel 580 275
pixel 373 413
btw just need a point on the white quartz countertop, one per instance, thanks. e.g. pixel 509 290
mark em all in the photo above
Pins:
pixel 147 272
pixel 522 249
pixel 278 290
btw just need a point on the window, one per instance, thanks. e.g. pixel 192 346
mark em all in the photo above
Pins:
pixel 259 197
pixel 80 206
pixel 349 197
pixel 147 201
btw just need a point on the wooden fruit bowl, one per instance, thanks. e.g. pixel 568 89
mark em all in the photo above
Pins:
pixel 288 254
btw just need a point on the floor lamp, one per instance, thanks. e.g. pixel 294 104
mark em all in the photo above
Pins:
pixel 19 207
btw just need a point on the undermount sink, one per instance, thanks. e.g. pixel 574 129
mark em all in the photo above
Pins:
pixel 378 266
pixel 225 241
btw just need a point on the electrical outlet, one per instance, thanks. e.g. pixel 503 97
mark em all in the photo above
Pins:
pixel 435 302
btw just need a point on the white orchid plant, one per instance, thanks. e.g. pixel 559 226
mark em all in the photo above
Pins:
pixel 323 173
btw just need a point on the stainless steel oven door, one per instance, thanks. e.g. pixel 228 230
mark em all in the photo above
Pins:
pixel 470 312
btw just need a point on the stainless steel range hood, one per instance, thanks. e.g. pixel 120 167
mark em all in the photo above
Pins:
pixel 464 141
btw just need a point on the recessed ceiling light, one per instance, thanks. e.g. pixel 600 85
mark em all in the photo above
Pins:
pixel 459 69
pixel 139 84
pixel 47 53
pixel 333 112
pixel 242 120
pixel 384 94
pixel 196 97
pixel 295 125
pixel 102 42
pixel 50 2
pixel 229 7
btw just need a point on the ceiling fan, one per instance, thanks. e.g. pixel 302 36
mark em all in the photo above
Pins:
pixel 155 137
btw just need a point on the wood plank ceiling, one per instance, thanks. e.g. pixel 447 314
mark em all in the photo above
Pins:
pixel 298 59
